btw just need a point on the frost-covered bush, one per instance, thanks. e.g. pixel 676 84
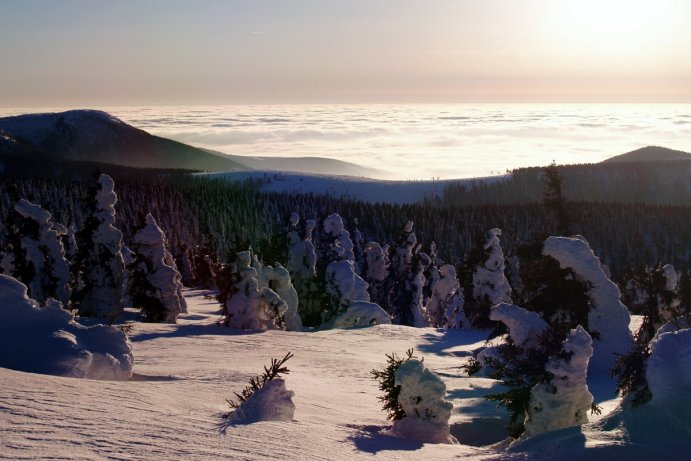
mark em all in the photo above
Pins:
pixel 265 398
pixel 414 398
pixel 48 339
pixel 39 261
pixel 155 286
pixel 100 256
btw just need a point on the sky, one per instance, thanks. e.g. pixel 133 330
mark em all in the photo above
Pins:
pixel 172 52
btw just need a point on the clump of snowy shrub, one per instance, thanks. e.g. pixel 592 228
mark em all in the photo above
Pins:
pixel 48 340
pixel 414 398
pixel 265 398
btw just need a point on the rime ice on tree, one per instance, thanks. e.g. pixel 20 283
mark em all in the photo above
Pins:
pixel 445 306
pixel 340 245
pixel 100 256
pixel 302 261
pixel 156 286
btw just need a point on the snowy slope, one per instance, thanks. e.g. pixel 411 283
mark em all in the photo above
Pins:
pixel 364 189
pixel 171 409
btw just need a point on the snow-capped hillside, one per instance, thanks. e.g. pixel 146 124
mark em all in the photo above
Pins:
pixel 172 407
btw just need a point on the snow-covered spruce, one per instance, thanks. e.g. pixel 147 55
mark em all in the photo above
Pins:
pixel 565 400
pixel 48 340
pixel 376 272
pixel 155 286
pixel 265 398
pixel 100 256
pixel 608 318
pixel 422 399
pixel 489 282
pixel 44 252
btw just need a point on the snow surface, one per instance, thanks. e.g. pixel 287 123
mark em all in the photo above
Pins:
pixel 172 407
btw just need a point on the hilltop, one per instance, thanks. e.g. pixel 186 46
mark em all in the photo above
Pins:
pixel 649 154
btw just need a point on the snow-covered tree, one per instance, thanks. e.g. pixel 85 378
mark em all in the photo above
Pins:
pixel 250 305
pixel 302 266
pixel 376 272
pixel 337 238
pixel 414 398
pixel 155 286
pixel 490 285
pixel 565 400
pixel 607 318
pixel 408 281
pixel 445 306
pixel 278 279
pixel 100 255
pixel 40 261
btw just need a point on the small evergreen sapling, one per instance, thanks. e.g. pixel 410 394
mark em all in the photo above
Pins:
pixel 265 398
pixel 387 384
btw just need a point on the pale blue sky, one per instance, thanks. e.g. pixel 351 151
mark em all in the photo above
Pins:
pixel 90 53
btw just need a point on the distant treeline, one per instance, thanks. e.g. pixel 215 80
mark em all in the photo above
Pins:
pixel 226 217
pixel 651 183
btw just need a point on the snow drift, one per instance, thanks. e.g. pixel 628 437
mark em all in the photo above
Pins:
pixel 48 340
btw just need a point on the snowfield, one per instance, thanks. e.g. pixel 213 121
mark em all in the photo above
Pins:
pixel 172 407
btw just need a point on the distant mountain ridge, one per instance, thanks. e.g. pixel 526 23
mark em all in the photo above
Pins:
pixel 650 154
pixel 96 136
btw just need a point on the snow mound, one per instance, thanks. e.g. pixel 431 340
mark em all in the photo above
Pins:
pixel 47 340
pixel 361 314
pixel 608 319
pixel 273 402
pixel 669 376
pixel 422 399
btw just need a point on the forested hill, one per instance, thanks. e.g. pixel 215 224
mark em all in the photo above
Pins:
pixel 649 182
pixel 650 154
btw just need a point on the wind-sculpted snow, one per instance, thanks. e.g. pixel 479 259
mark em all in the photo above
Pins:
pixel 48 339
pixel 524 326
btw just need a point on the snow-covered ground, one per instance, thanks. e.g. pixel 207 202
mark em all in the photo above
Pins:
pixel 172 407
pixel 364 189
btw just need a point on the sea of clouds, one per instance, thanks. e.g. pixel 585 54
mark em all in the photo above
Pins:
pixel 422 141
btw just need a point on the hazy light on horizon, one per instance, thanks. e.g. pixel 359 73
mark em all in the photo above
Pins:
pixel 85 53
